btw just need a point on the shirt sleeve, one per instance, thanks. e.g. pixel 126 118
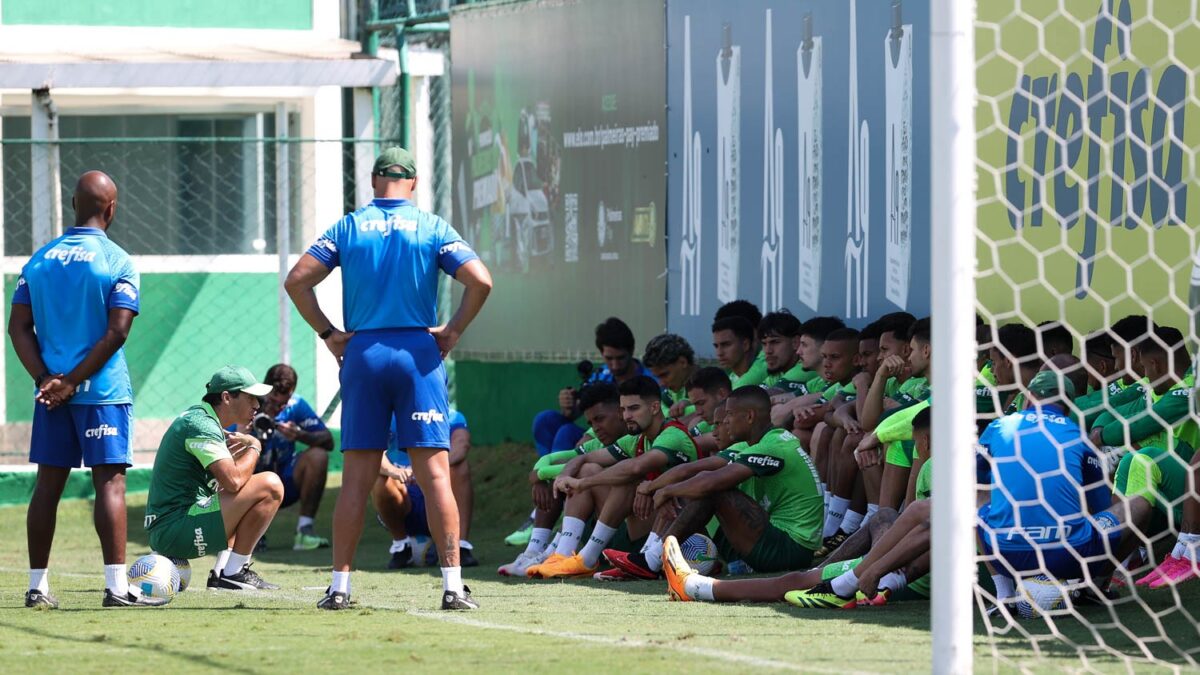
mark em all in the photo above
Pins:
pixel 327 247
pixel 458 421
pixel 676 445
pixel 21 294
pixel 303 415
pixel 761 462
pixel 1143 422
pixel 898 426
pixel 453 252
pixel 126 290
pixel 206 448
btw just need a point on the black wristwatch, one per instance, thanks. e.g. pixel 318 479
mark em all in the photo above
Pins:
pixel 324 335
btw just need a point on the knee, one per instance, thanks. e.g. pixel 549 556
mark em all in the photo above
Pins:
pixel 546 421
pixel 589 469
pixel 270 486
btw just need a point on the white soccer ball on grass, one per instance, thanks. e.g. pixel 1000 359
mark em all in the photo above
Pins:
pixel 154 576
pixel 701 554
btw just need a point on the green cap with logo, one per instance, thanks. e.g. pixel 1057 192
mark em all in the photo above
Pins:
pixel 1048 384
pixel 395 156
pixel 236 378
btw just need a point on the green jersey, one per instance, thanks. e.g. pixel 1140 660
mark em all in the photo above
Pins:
pixel 796 373
pixel 701 428
pixel 786 485
pixel 672 396
pixel 181 483
pixel 899 425
pixel 1165 424
pixel 733 451
pixel 985 401
pixel 673 441
pixel 912 390
pixel 756 374
pixel 1094 403
pixel 847 391
pixel 924 485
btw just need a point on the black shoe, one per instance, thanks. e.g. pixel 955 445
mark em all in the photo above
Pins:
pixel 261 545
pixel 40 600
pixel 831 544
pixel 452 600
pixel 130 600
pixel 401 559
pixel 466 558
pixel 213 580
pixel 334 600
pixel 245 579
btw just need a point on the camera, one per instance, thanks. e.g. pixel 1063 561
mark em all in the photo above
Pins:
pixel 584 368
pixel 263 427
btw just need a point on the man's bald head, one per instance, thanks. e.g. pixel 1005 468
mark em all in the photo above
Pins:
pixel 95 200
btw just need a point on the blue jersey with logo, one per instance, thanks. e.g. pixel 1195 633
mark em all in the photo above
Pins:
pixel 1041 469
pixel 70 285
pixel 605 375
pixel 399 457
pixel 390 253
pixel 301 413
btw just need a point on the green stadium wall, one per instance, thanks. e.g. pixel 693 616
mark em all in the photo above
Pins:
pixel 260 14
pixel 501 399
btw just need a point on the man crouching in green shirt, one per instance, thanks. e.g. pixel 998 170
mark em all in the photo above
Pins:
pixel 204 492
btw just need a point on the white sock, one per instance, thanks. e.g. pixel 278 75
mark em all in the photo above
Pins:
pixel 572 533
pixel 699 587
pixel 601 535
pixel 894 581
pixel 39 581
pixel 464 544
pixel 538 540
pixel 452 579
pixel 222 559
pixel 553 546
pixel 653 551
pixel 872 509
pixel 236 562
pixel 825 493
pixel 852 522
pixel 341 583
pixel 834 515
pixel 303 522
pixel 533 513
pixel 845 585
pixel 116 579
pixel 399 545
pixel 1188 544
pixel 1005 587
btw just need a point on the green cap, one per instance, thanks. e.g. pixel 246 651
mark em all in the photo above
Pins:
pixel 1048 384
pixel 236 378
pixel 395 156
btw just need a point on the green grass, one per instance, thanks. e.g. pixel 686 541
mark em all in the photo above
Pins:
pixel 523 626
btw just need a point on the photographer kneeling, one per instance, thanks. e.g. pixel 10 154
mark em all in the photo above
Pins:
pixel 286 419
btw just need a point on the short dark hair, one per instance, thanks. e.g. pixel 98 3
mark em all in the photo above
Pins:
pixel 600 393
pixel 1055 337
pixel 614 333
pixel 921 331
pixel 843 335
pixel 1132 329
pixel 739 325
pixel 743 308
pixel 896 323
pixel 1099 344
pixel 923 419
pixel 820 326
pixel 641 385
pixel 1165 340
pixel 782 323
pixel 1017 341
pixel 709 379
pixel 214 400
pixel 281 376
pixel 870 332
pixel 752 396
pixel 666 349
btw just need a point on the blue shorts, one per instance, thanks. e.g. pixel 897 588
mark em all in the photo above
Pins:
pixel 416 522
pixel 89 434
pixel 394 373
pixel 1063 562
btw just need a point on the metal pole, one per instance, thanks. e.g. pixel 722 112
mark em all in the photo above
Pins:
pixel 952 154
pixel 283 227
pixel 45 169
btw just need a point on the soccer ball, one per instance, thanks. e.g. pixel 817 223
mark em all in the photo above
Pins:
pixel 185 572
pixel 1043 595
pixel 421 548
pixel 701 553
pixel 154 576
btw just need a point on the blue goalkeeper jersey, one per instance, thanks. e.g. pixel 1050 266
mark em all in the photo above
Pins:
pixel 1044 478
pixel 70 285
pixel 390 253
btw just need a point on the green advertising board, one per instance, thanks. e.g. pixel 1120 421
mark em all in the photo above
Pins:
pixel 1087 127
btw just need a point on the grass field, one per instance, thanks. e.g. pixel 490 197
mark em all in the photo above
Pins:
pixel 523 626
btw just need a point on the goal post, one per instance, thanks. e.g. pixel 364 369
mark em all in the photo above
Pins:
pixel 953 212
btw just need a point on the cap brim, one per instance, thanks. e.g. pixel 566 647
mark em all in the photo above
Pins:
pixel 259 389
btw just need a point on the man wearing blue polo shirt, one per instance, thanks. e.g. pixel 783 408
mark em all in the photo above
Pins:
pixel 391 354
pixel 71 313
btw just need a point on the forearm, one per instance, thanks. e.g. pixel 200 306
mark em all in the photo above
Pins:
pixel 683 472
pixel 317 439
pixel 621 473
pixel 701 485
pixel 24 342
pixel 304 297
pixel 101 352
pixel 478 282
pixel 872 405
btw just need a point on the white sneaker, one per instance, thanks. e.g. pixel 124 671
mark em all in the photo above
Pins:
pixel 517 567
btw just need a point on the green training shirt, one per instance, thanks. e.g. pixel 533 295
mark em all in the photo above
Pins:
pixel 181 483
pixel 786 485
pixel 796 373
pixel 755 375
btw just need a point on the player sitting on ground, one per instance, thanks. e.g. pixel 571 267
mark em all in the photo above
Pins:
pixel 1172 488
pixel 672 361
pixel 780 336
pixel 797 395
pixel 733 343
pixel 1050 510
pixel 747 310
pixel 303 473
pixel 401 504
pixel 203 490
pixel 601 404
pixel 707 388
pixel 653 445
pixel 1104 388
pixel 773 525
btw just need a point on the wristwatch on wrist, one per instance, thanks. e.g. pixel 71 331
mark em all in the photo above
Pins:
pixel 324 335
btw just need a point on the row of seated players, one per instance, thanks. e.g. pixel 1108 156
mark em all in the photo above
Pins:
pixel 823 451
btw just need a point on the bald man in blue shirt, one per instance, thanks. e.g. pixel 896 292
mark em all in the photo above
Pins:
pixel 71 314
pixel 391 355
